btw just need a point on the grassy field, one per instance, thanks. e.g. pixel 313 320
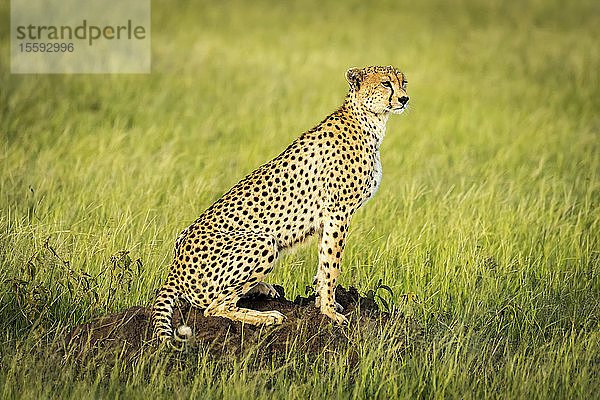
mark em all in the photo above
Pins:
pixel 486 224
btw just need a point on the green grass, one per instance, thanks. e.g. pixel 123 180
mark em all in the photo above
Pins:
pixel 488 209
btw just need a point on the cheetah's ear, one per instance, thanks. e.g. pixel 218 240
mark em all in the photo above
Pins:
pixel 354 76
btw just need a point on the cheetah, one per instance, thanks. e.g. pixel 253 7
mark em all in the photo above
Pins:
pixel 313 187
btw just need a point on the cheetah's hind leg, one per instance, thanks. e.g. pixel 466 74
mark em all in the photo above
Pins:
pixel 231 311
pixel 258 256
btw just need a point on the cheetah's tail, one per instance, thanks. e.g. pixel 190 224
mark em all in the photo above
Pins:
pixel 183 333
pixel 162 314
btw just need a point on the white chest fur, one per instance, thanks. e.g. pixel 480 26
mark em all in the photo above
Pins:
pixel 376 174
pixel 377 129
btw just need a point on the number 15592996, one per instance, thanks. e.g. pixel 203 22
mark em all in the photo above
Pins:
pixel 35 47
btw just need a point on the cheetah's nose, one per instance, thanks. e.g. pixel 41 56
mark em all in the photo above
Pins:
pixel 403 100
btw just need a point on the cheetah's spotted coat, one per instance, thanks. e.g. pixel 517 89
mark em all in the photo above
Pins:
pixel 314 186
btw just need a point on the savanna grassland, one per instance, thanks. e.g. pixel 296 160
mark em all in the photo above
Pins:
pixel 486 225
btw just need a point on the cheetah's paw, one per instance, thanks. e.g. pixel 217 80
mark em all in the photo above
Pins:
pixel 338 307
pixel 273 317
pixel 337 318
pixel 264 289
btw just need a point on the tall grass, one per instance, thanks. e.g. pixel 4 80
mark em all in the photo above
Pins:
pixel 486 224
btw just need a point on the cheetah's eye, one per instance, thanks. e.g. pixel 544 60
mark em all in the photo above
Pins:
pixel 386 84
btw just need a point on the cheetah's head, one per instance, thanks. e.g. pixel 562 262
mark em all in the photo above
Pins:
pixel 380 90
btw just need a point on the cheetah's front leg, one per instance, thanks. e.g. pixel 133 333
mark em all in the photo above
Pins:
pixel 318 278
pixel 331 247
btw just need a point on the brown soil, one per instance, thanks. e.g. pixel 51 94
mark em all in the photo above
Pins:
pixel 305 330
